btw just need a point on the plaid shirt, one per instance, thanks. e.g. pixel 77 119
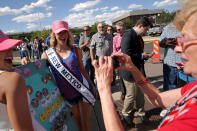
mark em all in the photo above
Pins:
pixel 170 57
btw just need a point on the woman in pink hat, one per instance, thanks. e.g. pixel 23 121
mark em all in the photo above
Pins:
pixel 62 42
pixel 62 45
pixel 14 111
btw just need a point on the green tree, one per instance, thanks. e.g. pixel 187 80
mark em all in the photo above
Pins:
pixel 94 28
pixel 165 17
pixel 129 24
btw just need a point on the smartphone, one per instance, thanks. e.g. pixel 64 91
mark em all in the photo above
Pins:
pixel 179 63
pixel 115 62
pixel 171 38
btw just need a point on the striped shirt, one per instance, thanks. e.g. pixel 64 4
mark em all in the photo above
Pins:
pixel 66 89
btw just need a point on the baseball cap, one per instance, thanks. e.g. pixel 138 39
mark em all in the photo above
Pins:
pixel 59 25
pixel 6 43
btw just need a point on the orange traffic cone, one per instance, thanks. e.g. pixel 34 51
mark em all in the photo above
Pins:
pixel 156 56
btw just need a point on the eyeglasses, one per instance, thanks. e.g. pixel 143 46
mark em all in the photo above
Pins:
pixel 181 40
pixel 109 29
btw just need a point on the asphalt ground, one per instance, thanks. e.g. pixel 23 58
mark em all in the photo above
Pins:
pixel 155 76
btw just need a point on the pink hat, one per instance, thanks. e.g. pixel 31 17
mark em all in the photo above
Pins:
pixel 6 43
pixel 59 25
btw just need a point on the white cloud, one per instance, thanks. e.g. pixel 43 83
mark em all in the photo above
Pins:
pixel 47 27
pixel 26 8
pixel 91 11
pixel 104 9
pixel 31 17
pixel 133 6
pixel 164 3
pixel 7 11
pixel 31 25
pixel 10 31
pixel 85 5
pixel 114 8
pixel 82 19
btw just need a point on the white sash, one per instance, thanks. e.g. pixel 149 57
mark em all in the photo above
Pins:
pixel 68 75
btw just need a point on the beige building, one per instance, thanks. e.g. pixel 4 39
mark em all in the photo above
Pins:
pixel 134 15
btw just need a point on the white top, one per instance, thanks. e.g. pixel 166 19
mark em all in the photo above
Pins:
pixel 4 119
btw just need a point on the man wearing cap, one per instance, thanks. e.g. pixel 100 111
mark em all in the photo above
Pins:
pixel 101 43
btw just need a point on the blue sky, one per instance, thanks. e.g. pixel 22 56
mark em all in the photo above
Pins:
pixel 29 15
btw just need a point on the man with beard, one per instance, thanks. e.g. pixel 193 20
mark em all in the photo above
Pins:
pixel 101 43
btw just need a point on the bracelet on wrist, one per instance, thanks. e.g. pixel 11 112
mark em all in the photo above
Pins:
pixel 142 81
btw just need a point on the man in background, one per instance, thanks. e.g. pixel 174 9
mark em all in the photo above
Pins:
pixel 84 44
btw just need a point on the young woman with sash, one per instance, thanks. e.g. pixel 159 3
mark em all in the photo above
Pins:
pixel 14 109
pixel 68 71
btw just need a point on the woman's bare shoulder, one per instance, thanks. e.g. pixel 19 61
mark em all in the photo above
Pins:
pixel 9 78
pixel 10 82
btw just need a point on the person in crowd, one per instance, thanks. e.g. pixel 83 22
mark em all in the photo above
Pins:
pixel 101 43
pixel 76 39
pixel 32 49
pixel 35 49
pixel 14 110
pixel 62 42
pixel 40 41
pixel 110 30
pixel 182 102
pixel 84 44
pixel 23 50
pixel 29 48
pixel 47 43
pixel 170 70
pixel 132 44
pixel 120 28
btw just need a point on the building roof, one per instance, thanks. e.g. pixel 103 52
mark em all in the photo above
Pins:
pixel 138 12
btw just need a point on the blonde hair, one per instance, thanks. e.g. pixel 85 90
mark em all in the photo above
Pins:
pixel 189 7
pixel 70 41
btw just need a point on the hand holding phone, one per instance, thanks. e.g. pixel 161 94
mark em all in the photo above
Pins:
pixel 180 65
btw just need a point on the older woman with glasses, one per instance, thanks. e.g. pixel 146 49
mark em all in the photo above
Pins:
pixel 181 102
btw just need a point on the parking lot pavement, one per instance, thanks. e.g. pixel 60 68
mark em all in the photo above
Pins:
pixel 154 75
pixel 150 38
